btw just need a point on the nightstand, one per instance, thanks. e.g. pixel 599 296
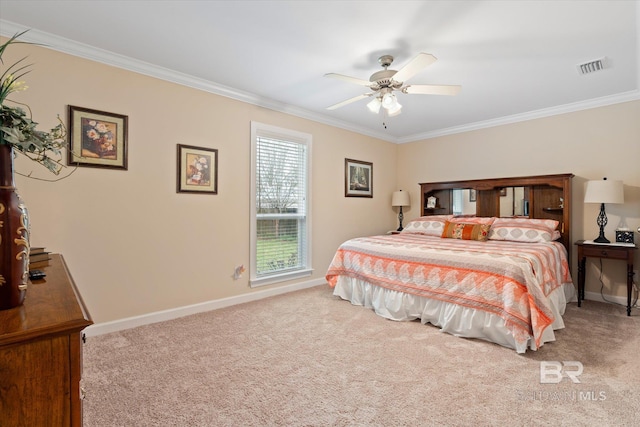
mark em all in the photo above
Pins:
pixel 605 251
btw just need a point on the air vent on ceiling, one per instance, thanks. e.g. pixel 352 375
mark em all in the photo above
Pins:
pixel 592 66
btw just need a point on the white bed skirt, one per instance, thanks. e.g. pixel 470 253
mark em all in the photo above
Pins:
pixel 453 319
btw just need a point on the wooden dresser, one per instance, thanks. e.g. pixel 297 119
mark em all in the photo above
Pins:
pixel 41 353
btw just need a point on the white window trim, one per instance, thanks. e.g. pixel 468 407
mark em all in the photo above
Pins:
pixel 264 130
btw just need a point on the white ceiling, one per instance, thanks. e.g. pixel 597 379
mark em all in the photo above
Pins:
pixel 515 60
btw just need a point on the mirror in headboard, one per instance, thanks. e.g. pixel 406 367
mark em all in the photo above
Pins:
pixel 464 201
pixel 514 201
pixel 541 197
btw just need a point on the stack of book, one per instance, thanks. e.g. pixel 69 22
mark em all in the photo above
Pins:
pixel 38 258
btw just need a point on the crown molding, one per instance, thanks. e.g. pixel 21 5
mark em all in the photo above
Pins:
pixel 92 53
pixel 633 95
pixel 74 48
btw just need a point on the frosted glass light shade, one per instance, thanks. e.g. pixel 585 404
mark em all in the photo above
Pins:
pixel 395 110
pixel 389 101
pixel 374 105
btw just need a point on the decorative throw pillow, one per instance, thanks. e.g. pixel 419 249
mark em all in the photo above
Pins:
pixel 428 225
pixel 528 230
pixel 466 231
pixel 474 219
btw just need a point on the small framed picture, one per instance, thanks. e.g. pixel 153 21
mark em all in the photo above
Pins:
pixel 472 195
pixel 97 139
pixel 431 202
pixel 197 170
pixel 358 178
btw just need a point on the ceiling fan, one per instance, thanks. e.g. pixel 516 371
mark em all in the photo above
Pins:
pixel 383 83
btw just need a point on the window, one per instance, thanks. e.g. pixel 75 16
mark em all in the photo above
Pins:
pixel 280 220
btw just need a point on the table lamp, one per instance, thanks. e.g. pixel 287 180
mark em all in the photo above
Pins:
pixel 400 198
pixel 603 191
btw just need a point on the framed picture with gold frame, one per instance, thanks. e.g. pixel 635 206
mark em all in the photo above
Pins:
pixel 97 138
pixel 197 170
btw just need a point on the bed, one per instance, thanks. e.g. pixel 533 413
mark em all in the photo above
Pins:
pixel 504 279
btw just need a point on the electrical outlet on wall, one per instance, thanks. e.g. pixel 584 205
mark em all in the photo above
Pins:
pixel 238 272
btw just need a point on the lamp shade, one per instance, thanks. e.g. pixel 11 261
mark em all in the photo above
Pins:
pixel 604 191
pixel 400 198
pixel 395 110
pixel 389 100
pixel 374 105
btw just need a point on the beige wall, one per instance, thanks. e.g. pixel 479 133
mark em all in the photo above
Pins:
pixel 135 246
pixel 591 144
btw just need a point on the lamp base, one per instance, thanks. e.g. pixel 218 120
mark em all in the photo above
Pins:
pixel 602 221
pixel 400 217
pixel 601 239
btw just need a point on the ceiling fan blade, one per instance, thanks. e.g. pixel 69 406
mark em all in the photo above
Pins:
pixel 433 89
pixel 349 101
pixel 355 80
pixel 414 66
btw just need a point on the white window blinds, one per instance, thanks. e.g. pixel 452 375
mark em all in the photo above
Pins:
pixel 280 223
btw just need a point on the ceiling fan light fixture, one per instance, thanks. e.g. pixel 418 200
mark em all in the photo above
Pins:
pixel 395 110
pixel 389 100
pixel 383 83
pixel 374 105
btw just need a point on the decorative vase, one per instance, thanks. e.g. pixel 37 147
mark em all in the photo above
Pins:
pixel 14 236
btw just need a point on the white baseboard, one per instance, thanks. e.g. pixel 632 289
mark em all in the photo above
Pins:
pixel 174 313
pixel 596 296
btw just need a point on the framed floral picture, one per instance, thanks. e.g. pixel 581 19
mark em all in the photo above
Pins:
pixel 197 170
pixel 97 138
pixel 358 178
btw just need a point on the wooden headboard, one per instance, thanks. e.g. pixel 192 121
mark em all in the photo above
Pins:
pixel 545 197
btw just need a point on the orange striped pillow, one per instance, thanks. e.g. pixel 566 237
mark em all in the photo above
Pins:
pixel 474 219
pixel 466 231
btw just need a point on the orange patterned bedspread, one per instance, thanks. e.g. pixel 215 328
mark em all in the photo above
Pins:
pixel 511 280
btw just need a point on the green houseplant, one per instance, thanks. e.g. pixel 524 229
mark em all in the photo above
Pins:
pixel 17 129
pixel 19 134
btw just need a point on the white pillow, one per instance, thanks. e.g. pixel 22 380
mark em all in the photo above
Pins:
pixel 432 225
pixel 524 230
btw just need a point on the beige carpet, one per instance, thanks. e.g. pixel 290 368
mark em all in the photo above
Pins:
pixel 311 359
